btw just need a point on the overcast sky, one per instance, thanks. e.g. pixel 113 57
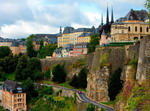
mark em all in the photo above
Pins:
pixel 20 18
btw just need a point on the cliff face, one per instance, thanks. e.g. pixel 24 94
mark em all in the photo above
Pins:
pixel 135 95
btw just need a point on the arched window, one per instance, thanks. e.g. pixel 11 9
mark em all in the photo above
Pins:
pixel 141 37
pixel 147 29
pixel 140 29
pixel 135 38
pixel 136 29
pixel 129 29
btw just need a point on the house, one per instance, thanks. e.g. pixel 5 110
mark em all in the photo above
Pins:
pixel 131 27
pixel 80 49
pixel 13 96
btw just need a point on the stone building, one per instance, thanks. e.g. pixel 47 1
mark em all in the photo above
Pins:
pixel 13 96
pixel 131 27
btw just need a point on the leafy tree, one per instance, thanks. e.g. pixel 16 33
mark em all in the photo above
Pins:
pixel 28 86
pixel 30 48
pixel 47 74
pixel 4 51
pixel 59 74
pixel 41 44
pixel 82 78
pixel 47 50
pixel 74 82
pixel 22 65
pixel 2 109
pixel 91 108
pixel 93 43
pixel 115 84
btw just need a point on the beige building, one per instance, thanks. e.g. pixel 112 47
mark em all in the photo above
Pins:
pixel 131 27
pixel 13 96
pixel 71 35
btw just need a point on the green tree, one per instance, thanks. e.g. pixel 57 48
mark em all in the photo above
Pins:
pixel 4 51
pixel 82 78
pixel 41 44
pixel 147 5
pixel 74 82
pixel 22 65
pixel 59 74
pixel 47 50
pixel 30 48
pixel 2 109
pixel 115 84
pixel 93 43
pixel 28 86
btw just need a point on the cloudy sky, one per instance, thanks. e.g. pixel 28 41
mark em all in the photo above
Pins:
pixel 20 18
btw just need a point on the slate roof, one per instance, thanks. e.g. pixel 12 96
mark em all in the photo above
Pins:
pixel 135 15
pixel 84 30
pixel 86 34
pixel 48 35
pixel 68 30
pixel 12 86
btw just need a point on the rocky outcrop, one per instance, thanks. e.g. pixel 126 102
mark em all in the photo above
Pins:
pixel 143 70
pixel 97 88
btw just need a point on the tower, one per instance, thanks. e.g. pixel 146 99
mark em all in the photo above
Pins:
pixel 60 31
pixel 107 17
pixel 112 16
pixel 102 20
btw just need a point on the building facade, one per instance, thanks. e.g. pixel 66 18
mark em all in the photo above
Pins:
pixel 13 96
pixel 131 27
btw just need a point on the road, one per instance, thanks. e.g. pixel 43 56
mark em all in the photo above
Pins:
pixel 83 97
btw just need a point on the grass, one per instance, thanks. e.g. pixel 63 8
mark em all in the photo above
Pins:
pixel 66 84
pixel 110 103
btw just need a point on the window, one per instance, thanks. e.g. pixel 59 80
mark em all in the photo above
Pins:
pixel 141 37
pixel 135 38
pixel 135 29
pixel 140 29
pixel 147 29
pixel 129 29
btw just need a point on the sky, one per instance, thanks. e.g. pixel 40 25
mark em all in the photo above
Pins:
pixel 20 18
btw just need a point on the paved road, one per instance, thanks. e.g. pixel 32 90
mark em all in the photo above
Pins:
pixel 83 97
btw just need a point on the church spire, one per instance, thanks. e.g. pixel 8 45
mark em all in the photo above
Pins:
pixel 107 17
pixel 102 20
pixel 112 16
pixel 60 31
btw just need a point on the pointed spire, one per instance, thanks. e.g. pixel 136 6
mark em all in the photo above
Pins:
pixel 103 33
pixel 60 31
pixel 102 20
pixel 112 16
pixel 107 17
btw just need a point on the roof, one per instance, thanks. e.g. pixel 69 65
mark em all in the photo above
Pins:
pixel 86 34
pixel 80 44
pixel 12 86
pixel 48 35
pixel 84 30
pixel 135 15
pixel 68 30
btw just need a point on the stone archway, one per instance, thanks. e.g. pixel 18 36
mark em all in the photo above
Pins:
pixel 135 38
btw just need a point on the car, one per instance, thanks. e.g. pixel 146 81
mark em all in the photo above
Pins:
pixel 79 92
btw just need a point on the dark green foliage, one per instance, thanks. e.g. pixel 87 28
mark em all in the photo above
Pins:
pixel 91 108
pixel 82 78
pixel 46 90
pixel 47 74
pixel 115 84
pixel 47 50
pixel 20 70
pixel 59 74
pixel 30 48
pixel 4 51
pixel 74 82
pixel 93 43
pixel 80 81
pixel 2 109
pixel 28 68
pixel 41 44
pixel 29 88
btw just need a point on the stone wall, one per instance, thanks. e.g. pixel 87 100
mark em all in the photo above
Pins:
pixel 143 70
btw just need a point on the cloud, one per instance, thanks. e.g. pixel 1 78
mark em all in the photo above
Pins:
pixel 23 29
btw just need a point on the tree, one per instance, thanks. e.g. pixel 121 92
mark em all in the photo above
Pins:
pixel 30 48
pixel 47 50
pixel 4 51
pixel 115 84
pixel 22 65
pixel 74 82
pixel 28 86
pixel 93 43
pixel 41 44
pixel 147 5
pixel 59 74
pixel 82 78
